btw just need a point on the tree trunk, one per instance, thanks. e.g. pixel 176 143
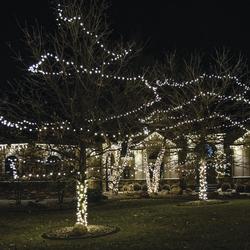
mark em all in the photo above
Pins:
pixel 117 170
pixel 153 182
pixel 81 190
pixel 203 180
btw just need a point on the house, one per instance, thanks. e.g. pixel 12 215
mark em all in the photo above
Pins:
pixel 143 155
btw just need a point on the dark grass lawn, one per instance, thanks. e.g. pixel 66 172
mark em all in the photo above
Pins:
pixel 144 224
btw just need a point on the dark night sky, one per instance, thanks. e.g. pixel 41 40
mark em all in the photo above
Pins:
pixel 166 24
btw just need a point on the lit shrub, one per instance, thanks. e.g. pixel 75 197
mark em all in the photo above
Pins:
pixel 137 187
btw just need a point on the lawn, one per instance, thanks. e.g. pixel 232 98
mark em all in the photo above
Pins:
pixel 144 224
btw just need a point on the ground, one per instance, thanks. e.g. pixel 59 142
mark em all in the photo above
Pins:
pixel 144 224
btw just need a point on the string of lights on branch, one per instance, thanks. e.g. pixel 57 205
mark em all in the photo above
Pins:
pixel 65 125
pixel 204 76
pixel 74 19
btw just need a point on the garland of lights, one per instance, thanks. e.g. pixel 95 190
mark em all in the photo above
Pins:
pixel 88 33
pixel 172 83
pixel 80 69
pixel 35 68
pixel 215 115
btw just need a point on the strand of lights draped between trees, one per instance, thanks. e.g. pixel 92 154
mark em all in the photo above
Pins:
pixel 205 94
pixel 35 69
pixel 64 125
pixel 80 69
pixel 220 167
pixel 189 122
pixel 157 99
pixel 169 82
pixel 215 115
pixel 173 83
pixel 149 119
pixel 218 163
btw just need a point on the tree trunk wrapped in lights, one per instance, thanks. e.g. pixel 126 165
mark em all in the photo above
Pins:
pixel 115 171
pixel 153 181
pixel 78 88
pixel 209 97
pixel 82 203
pixel 203 180
pixel 81 190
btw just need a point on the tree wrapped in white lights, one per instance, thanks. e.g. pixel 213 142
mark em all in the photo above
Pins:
pixel 77 89
pixel 201 104
pixel 203 180
pixel 115 165
pixel 153 171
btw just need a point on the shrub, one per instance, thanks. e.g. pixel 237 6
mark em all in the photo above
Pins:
pixel 95 195
pixel 175 189
pixel 247 188
pixel 144 195
pixel 137 187
pixel 125 188
pixel 225 187
pixel 240 188
pixel 144 188
pixel 166 187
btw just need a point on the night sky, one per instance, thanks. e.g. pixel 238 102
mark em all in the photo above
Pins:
pixel 163 25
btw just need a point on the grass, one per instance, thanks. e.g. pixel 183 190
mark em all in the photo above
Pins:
pixel 144 224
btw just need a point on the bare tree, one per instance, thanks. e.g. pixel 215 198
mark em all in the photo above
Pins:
pixel 201 96
pixel 78 92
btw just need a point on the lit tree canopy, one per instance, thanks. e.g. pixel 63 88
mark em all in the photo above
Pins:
pixel 80 87
pixel 209 96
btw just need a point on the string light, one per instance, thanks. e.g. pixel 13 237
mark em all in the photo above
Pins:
pixel 89 33
pixel 204 76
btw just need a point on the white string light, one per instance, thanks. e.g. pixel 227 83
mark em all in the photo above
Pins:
pixel 173 83
pixel 89 33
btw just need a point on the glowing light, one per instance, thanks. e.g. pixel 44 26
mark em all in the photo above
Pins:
pixel 82 203
pixel 203 180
